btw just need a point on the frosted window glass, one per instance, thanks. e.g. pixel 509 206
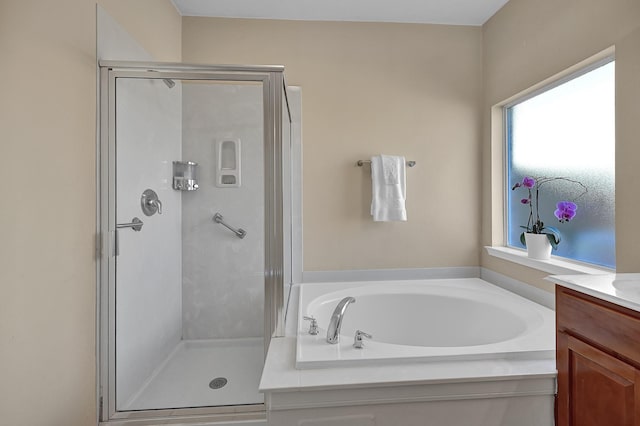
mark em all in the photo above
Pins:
pixel 568 131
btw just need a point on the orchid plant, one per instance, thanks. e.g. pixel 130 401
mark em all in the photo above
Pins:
pixel 565 210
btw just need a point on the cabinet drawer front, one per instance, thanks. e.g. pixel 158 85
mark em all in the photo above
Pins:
pixel 615 328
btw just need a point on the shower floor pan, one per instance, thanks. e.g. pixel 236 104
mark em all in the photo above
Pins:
pixel 204 373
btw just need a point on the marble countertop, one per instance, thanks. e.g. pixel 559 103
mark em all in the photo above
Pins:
pixel 621 289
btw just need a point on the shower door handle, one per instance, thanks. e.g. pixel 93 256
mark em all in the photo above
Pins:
pixel 135 224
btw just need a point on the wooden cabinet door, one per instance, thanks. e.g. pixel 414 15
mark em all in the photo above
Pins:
pixel 594 388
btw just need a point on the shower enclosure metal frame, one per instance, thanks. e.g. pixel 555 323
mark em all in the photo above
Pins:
pixel 274 98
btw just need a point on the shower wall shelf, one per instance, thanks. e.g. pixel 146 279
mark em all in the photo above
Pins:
pixel 228 164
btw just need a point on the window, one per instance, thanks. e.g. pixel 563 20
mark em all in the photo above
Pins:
pixel 567 130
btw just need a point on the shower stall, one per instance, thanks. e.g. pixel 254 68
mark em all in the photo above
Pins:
pixel 195 247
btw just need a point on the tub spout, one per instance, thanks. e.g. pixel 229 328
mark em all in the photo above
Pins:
pixel 333 331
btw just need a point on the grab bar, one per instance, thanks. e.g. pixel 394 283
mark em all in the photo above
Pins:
pixel 240 233
pixel 135 224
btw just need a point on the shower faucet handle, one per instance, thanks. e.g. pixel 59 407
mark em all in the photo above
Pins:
pixel 158 204
pixel 313 327
pixel 358 339
pixel 150 203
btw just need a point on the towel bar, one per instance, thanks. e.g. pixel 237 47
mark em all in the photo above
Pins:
pixel 359 163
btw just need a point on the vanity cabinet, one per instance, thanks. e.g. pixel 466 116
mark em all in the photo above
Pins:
pixel 598 361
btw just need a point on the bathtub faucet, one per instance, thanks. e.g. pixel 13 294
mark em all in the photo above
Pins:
pixel 333 331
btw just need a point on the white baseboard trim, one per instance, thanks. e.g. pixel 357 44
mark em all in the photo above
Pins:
pixel 390 274
pixel 167 421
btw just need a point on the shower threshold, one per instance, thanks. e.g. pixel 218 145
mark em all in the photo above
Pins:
pixel 204 373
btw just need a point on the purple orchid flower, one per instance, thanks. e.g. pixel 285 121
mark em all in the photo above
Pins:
pixel 528 182
pixel 565 211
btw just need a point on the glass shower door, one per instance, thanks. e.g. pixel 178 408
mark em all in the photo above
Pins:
pixel 190 264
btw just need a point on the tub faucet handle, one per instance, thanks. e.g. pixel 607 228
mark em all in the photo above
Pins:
pixel 313 327
pixel 358 339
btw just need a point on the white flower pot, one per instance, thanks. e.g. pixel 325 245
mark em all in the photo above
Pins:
pixel 538 246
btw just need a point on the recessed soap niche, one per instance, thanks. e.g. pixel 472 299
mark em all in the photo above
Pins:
pixel 228 163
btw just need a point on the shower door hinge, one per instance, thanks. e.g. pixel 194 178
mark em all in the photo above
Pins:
pixel 100 410
pixel 98 241
pixel 114 243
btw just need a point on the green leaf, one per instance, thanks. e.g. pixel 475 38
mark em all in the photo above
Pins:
pixel 522 239
pixel 553 235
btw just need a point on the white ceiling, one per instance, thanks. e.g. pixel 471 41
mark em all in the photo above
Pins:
pixel 455 12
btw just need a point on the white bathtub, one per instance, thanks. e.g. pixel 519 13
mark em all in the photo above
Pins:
pixel 423 321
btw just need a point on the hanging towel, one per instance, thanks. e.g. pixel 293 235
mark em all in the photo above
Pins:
pixel 388 184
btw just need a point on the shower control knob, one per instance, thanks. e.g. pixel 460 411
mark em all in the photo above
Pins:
pixel 150 203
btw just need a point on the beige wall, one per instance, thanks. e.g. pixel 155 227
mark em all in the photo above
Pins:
pixel 402 89
pixel 528 41
pixel 156 25
pixel 47 219
pixel 628 150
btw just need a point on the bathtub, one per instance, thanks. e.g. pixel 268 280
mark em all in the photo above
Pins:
pixel 418 321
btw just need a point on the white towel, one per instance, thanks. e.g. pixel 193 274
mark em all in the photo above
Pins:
pixel 388 184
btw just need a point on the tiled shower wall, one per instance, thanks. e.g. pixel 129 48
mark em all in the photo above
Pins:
pixel 223 275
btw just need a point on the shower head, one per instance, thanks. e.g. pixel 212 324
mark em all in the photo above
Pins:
pixel 170 83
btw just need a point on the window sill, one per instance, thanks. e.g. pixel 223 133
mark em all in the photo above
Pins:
pixel 555 265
